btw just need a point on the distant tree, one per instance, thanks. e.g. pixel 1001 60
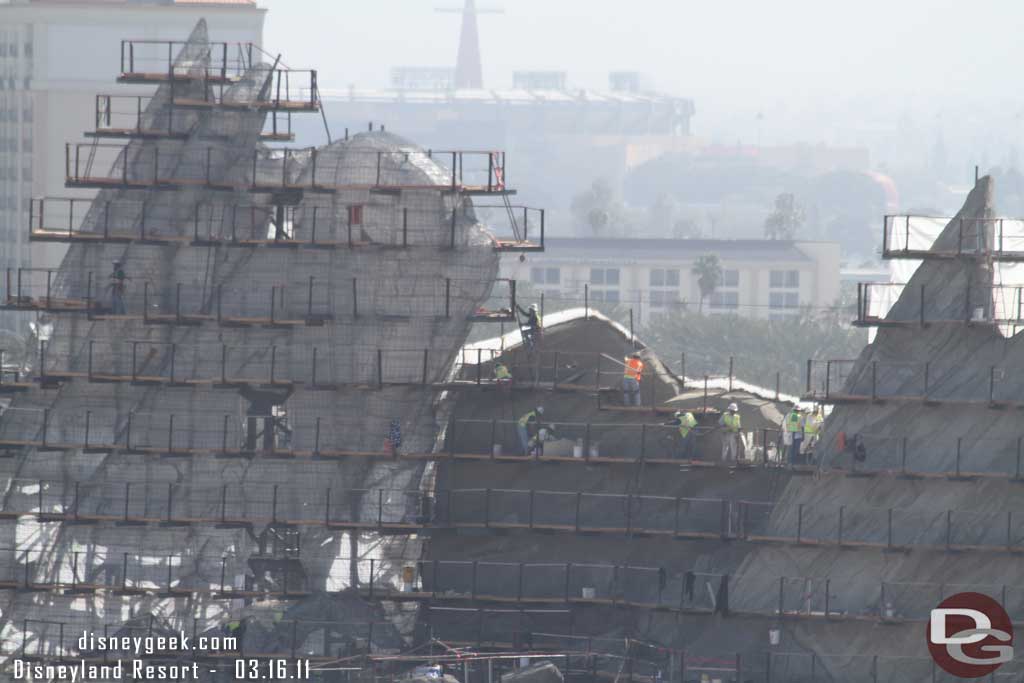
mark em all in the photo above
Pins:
pixel 661 215
pixel 597 219
pixel 686 229
pixel 785 221
pixel 761 348
pixel 708 270
pixel 597 207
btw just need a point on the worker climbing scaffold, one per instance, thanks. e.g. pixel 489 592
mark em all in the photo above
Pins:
pixel 530 325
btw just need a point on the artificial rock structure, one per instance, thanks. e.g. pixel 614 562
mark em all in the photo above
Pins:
pixel 257 438
pixel 194 442
pixel 761 571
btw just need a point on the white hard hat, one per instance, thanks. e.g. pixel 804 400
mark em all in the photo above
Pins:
pixel 534 307
pixel 540 410
pixel 733 407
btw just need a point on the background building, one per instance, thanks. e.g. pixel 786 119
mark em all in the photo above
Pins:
pixel 760 278
pixel 55 58
pixel 562 137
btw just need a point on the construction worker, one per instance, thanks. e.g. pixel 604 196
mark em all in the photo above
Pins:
pixel 812 426
pixel 502 374
pixel 530 422
pixel 117 288
pixel 532 327
pixel 730 423
pixel 393 441
pixel 685 421
pixel 633 370
pixel 793 425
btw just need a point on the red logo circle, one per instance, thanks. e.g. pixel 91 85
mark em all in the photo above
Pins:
pixel 970 635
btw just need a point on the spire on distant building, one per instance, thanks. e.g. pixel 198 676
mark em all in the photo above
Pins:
pixel 468 69
pixel 469 72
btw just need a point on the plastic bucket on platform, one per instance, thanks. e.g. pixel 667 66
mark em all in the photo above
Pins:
pixel 496 450
pixel 589 592
pixel 577 449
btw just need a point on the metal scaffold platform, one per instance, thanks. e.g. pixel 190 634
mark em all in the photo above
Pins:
pixel 216 280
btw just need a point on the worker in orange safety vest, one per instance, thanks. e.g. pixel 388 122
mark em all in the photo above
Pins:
pixel 633 370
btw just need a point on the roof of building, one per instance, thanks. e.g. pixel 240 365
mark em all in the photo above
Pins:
pixel 767 250
pixel 503 97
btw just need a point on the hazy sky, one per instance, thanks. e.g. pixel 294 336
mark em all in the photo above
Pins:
pixel 819 70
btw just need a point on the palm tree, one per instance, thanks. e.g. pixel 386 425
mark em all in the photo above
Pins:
pixel 785 221
pixel 708 270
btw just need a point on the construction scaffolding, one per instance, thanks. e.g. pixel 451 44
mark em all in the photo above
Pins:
pixel 215 276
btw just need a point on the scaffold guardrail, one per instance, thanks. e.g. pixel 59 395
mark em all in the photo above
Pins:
pixel 852 381
pixel 155 61
pixel 304 434
pixel 216 167
pixel 914 237
pixel 513 582
pixel 280 305
pixel 992 305
pixel 309 225
pixel 497 510
pixel 128 117
pixel 293 90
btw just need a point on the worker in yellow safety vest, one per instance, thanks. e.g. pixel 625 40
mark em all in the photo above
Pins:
pixel 529 421
pixel 731 424
pixel 793 425
pixel 686 422
pixel 501 373
pixel 812 426
pixel 633 370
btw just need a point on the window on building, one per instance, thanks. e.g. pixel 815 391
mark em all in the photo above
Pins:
pixel 607 296
pixel 662 297
pixel 664 277
pixel 545 276
pixel 785 278
pixel 604 276
pixel 784 300
pixel 730 277
pixel 724 300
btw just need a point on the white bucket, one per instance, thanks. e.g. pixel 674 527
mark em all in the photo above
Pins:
pixel 588 593
pixel 577 449
pixel 496 449
pixel 594 451
pixel 979 313
pixel 774 636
